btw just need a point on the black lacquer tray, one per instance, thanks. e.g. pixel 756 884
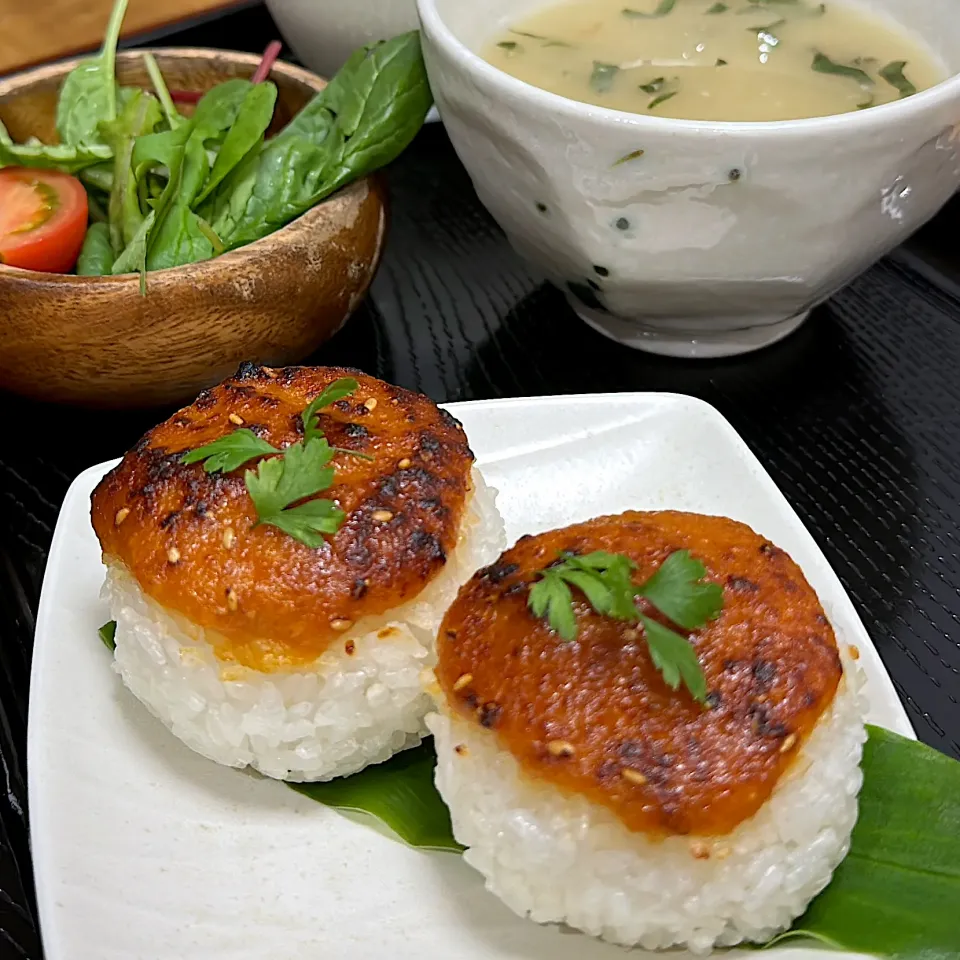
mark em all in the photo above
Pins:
pixel 856 417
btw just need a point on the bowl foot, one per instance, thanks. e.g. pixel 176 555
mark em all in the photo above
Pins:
pixel 670 338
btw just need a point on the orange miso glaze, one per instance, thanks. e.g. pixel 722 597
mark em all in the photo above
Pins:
pixel 595 717
pixel 190 540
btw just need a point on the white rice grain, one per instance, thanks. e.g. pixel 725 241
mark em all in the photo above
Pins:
pixel 557 857
pixel 328 719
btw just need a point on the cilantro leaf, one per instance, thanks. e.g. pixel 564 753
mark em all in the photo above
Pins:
pixel 552 598
pixel 229 452
pixel 107 634
pixel 675 658
pixel 606 580
pixel 335 391
pixel 301 472
pixel 308 522
pixel 677 591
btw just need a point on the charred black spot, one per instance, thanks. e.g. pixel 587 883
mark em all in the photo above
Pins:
pixel 359 589
pixel 526 536
pixel 809 699
pixel 449 419
pixel 713 699
pixel 142 443
pixel 430 443
pixel 431 503
pixel 822 620
pixel 248 371
pixel 357 554
pixel 516 588
pixel 342 405
pixel 169 519
pixel 663 760
pixel 490 714
pixel 769 550
pixel 387 488
pixel 356 430
pixel 427 544
pixel 498 572
pixel 607 769
pixel 742 585
pixel 630 750
pixel 471 699
pixel 239 390
pixel 764 673
pixel 181 421
pixel 730 665
pixel 762 724
pixel 205 400
pixel 451 634
pixel 201 508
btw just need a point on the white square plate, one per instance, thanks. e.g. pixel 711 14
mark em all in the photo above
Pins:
pixel 143 850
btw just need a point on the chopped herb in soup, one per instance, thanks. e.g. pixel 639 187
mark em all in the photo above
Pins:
pixel 698 60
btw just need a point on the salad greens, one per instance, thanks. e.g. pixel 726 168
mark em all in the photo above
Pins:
pixel 167 189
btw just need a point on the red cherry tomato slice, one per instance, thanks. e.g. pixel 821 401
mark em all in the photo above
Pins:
pixel 43 219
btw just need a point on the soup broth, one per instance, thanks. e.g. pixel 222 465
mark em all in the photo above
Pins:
pixel 704 60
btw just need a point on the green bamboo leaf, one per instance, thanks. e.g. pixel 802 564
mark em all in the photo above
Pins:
pixel 896 893
pixel 400 793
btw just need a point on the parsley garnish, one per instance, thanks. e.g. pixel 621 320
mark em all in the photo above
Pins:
pixel 229 452
pixel 676 589
pixel 301 470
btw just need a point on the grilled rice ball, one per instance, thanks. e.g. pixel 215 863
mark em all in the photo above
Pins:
pixel 254 647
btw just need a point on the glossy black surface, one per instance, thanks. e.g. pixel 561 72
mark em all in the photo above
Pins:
pixel 856 416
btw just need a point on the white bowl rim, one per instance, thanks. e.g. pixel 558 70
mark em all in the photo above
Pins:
pixel 860 121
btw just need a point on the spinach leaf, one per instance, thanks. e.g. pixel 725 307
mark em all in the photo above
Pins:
pixel 603 75
pixel 246 134
pixel 177 238
pixel 160 149
pixel 893 74
pixel 96 255
pixel 134 257
pixel 170 111
pixel 58 157
pixel 361 121
pixel 395 98
pixel 99 176
pixel 823 64
pixel 89 92
pixel 140 115
pixel 219 107
pixel 662 9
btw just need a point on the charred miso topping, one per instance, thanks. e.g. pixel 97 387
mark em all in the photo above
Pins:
pixel 595 716
pixel 192 538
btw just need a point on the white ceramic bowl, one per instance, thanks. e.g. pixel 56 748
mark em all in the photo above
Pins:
pixel 323 33
pixel 721 237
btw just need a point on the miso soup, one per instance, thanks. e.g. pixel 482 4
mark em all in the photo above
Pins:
pixel 727 60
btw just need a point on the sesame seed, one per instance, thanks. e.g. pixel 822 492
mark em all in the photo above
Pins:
pixel 340 625
pixel 560 748
pixel 349 648
pixel 173 555
pixel 854 651
pixel 700 850
pixel 235 418
pixel 228 537
pixel 232 601
pixel 382 516
pixel 461 749
pixel 122 515
pixel 630 634
pixel 371 404
pixel 633 776
pixel 463 681
pixel 789 743
pixel 404 463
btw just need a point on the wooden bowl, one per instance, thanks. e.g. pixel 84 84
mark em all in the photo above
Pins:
pixel 96 341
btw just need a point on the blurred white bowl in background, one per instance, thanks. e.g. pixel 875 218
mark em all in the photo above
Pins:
pixel 323 33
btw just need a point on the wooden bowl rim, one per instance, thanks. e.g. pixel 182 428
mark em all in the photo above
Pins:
pixel 192 272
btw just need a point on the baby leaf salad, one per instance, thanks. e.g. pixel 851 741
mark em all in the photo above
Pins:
pixel 163 189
